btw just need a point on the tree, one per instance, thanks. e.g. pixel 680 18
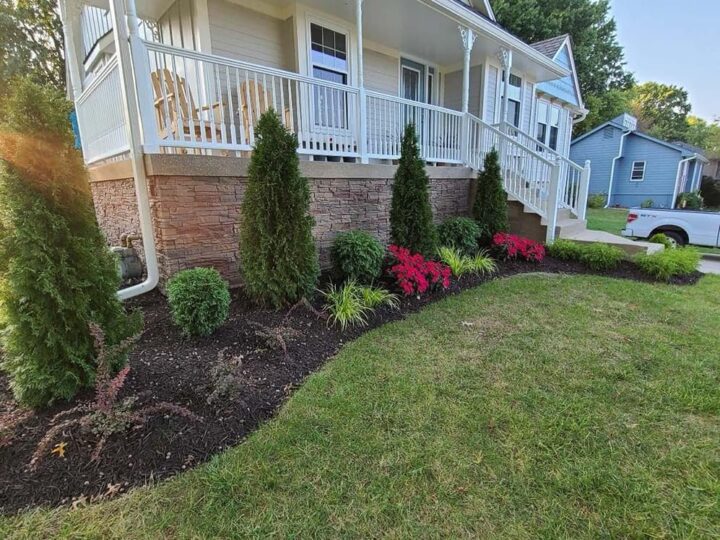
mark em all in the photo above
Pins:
pixel 661 109
pixel 490 205
pixel 411 219
pixel 57 275
pixel 31 42
pixel 277 252
pixel 704 135
pixel 603 107
pixel 599 58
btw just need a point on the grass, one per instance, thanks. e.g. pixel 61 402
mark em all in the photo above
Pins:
pixel 613 220
pixel 537 406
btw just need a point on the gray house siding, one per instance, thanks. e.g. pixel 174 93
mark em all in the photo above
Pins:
pixel 600 148
pixel 660 174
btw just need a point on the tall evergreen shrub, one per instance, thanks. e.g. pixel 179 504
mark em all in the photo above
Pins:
pixel 411 220
pixel 490 206
pixel 56 273
pixel 277 253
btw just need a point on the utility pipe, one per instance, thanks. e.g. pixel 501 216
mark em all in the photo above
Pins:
pixel 677 180
pixel 132 116
pixel 614 163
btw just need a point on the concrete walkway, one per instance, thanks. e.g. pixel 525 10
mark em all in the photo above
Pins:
pixel 710 265
pixel 631 247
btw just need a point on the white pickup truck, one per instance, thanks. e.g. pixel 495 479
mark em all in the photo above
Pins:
pixel 682 226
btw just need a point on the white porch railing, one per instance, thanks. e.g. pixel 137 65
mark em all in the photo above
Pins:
pixel 101 116
pixel 574 179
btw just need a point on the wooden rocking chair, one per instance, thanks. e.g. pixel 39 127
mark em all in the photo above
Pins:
pixel 256 101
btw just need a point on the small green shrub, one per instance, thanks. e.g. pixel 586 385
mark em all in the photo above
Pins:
pixel 597 200
pixel 357 255
pixel 691 200
pixel 461 265
pixel 199 301
pixel 660 238
pixel 565 250
pixel 461 233
pixel 669 263
pixel 647 203
pixel 601 256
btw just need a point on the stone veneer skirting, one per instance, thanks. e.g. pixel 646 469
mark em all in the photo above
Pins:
pixel 195 203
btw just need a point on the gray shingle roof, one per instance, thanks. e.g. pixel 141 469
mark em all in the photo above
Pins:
pixel 550 47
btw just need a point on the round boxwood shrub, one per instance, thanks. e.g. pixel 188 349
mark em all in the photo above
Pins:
pixel 357 255
pixel 460 233
pixel 199 301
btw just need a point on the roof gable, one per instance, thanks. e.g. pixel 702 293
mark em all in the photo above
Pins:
pixel 567 88
pixel 482 7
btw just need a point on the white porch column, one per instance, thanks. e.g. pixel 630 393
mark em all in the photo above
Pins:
pixel 468 41
pixel 506 61
pixel 362 108
pixel 70 13
pixel 132 120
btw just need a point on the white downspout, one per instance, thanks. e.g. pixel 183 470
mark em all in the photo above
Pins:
pixel 132 118
pixel 614 163
pixel 677 180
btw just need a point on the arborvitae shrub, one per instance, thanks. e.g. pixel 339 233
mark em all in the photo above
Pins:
pixel 277 253
pixel 460 233
pixel 357 255
pixel 199 301
pixel 490 206
pixel 411 220
pixel 57 275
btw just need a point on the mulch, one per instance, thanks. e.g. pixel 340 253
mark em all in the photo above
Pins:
pixel 167 367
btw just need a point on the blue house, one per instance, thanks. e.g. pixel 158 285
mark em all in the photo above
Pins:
pixel 632 167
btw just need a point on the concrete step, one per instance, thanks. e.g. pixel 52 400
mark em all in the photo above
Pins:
pixel 630 247
pixel 570 226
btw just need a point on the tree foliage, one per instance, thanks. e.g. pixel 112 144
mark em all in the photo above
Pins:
pixel 662 110
pixel 31 42
pixel 277 252
pixel 57 275
pixel 411 219
pixel 599 57
pixel 705 135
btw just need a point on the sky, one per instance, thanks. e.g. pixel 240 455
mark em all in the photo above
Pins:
pixel 674 42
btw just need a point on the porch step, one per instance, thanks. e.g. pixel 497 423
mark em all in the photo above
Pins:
pixel 630 247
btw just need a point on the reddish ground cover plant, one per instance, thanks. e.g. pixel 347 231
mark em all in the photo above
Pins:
pixel 106 415
pixel 510 246
pixel 416 275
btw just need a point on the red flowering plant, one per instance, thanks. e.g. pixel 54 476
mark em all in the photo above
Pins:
pixel 511 246
pixel 414 274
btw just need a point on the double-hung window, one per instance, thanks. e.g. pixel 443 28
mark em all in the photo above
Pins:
pixel 638 171
pixel 548 124
pixel 514 99
pixel 329 55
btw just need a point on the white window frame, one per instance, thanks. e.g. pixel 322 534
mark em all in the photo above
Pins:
pixel 501 92
pixel 436 84
pixel 632 171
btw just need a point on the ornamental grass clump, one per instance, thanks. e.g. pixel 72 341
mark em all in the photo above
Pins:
pixel 199 301
pixel 57 275
pixel 357 255
pixel 411 219
pixel 352 304
pixel 669 263
pixel 461 265
pixel 278 260
pixel 460 233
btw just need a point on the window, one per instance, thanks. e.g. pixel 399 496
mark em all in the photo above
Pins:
pixel 554 127
pixel 514 99
pixel 329 54
pixel 548 124
pixel 542 122
pixel 638 171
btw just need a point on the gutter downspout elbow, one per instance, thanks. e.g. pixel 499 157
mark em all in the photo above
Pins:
pixel 676 191
pixel 623 137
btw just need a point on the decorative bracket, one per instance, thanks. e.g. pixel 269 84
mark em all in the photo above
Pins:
pixel 504 55
pixel 468 38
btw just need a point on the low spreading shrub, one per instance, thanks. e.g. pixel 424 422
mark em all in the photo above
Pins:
pixel 661 238
pixel 691 200
pixel 601 257
pixel 510 246
pixel 461 265
pixel 357 255
pixel 352 304
pixel 461 234
pixel 199 301
pixel 597 200
pixel 565 250
pixel 669 263
pixel 415 275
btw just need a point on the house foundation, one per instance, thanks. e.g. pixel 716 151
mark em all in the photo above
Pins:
pixel 195 203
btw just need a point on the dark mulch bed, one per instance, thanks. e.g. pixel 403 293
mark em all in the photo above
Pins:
pixel 166 367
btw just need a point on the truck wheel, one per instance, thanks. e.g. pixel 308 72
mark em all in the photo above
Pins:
pixel 675 237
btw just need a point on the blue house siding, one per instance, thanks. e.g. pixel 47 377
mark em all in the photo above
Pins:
pixel 600 148
pixel 661 163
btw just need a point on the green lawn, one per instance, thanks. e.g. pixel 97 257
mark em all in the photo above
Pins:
pixel 613 220
pixel 537 406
